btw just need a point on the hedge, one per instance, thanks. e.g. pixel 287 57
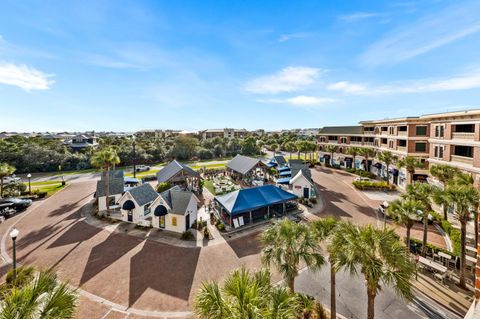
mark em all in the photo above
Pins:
pixel 373 185
pixel 454 234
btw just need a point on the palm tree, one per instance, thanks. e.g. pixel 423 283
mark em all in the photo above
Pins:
pixel 300 146
pixel 246 295
pixel 286 244
pixel 290 147
pixel 325 229
pixel 106 159
pixel 367 153
pixel 388 158
pixel 379 256
pixel 404 213
pixel 45 297
pixel 273 148
pixel 5 170
pixel 424 194
pixel 464 199
pixel 354 151
pixel 443 173
pixel 441 198
pixel 331 149
pixel 410 164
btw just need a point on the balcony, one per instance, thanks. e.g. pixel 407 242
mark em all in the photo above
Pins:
pixel 462 159
pixel 402 148
pixel 368 132
pixel 402 133
pixel 463 135
pixel 356 143
pixel 368 143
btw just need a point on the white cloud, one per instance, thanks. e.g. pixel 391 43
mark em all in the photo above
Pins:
pixel 288 79
pixel 357 16
pixel 291 36
pixel 457 83
pixel 25 77
pixel 429 33
pixel 301 101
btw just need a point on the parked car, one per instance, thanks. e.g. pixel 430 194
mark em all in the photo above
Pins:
pixel 16 204
pixel 362 179
pixel 142 168
pixel 11 179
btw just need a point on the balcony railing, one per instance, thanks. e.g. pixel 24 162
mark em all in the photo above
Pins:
pixel 368 132
pixel 402 148
pixel 463 135
pixel 462 159
pixel 402 133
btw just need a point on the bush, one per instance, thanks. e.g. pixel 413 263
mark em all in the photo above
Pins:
pixel 206 233
pixel 41 194
pixel 364 173
pixel 149 178
pixel 161 187
pixel 204 153
pixel 454 234
pixel 220 226
pixel 373 185
pixel 187 235
pixel 14 189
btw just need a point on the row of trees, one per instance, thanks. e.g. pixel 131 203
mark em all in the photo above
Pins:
pixel 377 254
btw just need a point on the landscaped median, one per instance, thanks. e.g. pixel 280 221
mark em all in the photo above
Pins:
pixel 373 185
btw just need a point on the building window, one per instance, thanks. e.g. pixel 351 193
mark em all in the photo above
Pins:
pixel 390 144
pixel 439 131
pixel 391 130
pixel 420 130
pixel 384 128
pixel 384 141
pixel 174 221
pixel 420 147
pixel 343 140
pixel 461 150
pixel 146 209
pixel 464 128
pixel 402 128
pixel 402 143
pixel 438 152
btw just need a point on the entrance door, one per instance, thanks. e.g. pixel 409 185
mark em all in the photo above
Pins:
pixel 306 192
pixel 187 222
pixel 130 216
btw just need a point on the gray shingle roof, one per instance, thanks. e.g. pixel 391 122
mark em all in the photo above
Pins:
pixel 143 194
pixel 115 187
pixel 243 164
pixel 113 174
pixel 172 169
pixel 357 129
pixel 295 167
pixel 280 160
pixel 177 199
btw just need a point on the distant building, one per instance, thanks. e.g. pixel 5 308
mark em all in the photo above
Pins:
pixel 228 133
pixel 82 141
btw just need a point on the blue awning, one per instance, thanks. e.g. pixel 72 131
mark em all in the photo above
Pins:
pixel 160 211
pixel 271 164
pixel 128 205
pixel 284 180
pixel 130 180
pixel 285 173
pixel 283 168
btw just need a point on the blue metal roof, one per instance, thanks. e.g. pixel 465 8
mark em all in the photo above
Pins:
pixel 285 173
pixel 284 180
pixel 283 168
pixel 248 199
pixel 271 164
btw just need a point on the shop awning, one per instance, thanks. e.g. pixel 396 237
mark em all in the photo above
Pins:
pixel 128 205
pixel 285 173
pixel 160 211
pixel 284 180
pixel 284 168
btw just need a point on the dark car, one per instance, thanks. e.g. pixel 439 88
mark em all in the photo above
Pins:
pixel 8 205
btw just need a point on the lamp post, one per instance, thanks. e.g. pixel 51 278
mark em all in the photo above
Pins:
pixel 14 235
pixel 134 158
pixel 29 183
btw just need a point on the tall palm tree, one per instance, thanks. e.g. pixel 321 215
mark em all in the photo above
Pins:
pixel 354 151
pixel 464 199
pixel 105 159
pixel 45 297
pixel 424 194
pixel 331 149
pixel 290 148
pixel 5 170
pixel 286 244
pixel 379 256
pixel 388 158
pixel 367 153
pixel 325 229
pixel 404 213
pixel 300 145
pixel 443 173
pixel 411 164
pixel 441 198
pixel 246 295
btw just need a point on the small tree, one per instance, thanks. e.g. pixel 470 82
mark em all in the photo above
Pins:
pixel 5 170
pixel 354 151
pixel 387 158
pixel 331 149
pixel 367 153
pixel 404 213
pixel 161 187
pixel 106 159
pixel 410 164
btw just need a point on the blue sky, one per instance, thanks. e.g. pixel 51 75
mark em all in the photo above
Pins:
pixel 129 65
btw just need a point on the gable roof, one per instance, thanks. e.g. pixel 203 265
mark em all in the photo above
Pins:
pixel 243 164
pixel 143 194
pixel 178 199
pixel 280 160
pixel 296 167
pixel 354 129
pixel 112 174
pixel 172 169
pixel 249 199
pixel 115 187
pixel 298 175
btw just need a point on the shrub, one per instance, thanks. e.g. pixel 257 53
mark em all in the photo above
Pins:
pixel 454 234
pixel 373 185
pixel 25 275
pixel 149 178
pixel 41 194
pixel 14 189
pixel 187 235
pixel 163 187
pixel 206 233
pixel 220 226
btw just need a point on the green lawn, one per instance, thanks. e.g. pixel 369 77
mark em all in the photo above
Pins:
pixel 44 183
pixel 208 166
pixel 209 185
pixel 143 174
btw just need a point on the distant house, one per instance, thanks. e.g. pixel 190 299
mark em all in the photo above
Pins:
pixel 301 182
pixel 174 210
pixel 180 174
pixel 82 141
pixel 135 203
pixel 246 167
pixel 115 191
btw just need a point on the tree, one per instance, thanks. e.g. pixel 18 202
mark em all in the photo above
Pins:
pixel 387 158
pixel 325 229
pixel 290 147
pixel 184 147
pixel 274 147
pixel 440 197
pixel 410 164
pixel 45 297
pixel 105 159
pixel 311 147
pixel 379 256
pixel 246 295
pixel 300 145
pixel 404 213
pixel 367 153
pixel 161 187
pixel 424 194
pixel 464 199
pixel 5 170
pixel 443 173
pixel 285 245
pixel 331 149
pixel 354 151
pixel 249 146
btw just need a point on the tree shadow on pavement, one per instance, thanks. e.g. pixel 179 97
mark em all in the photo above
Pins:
pixel 65 208
pixel 246 245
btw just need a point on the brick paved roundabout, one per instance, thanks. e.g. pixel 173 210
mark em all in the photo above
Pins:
pixel 122 275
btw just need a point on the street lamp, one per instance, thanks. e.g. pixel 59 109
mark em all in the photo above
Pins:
pixel 14 235
pixel 29 183
pixel 134 158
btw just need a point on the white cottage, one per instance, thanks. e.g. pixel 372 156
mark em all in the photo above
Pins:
pixel 301 182
pixel 115 191
pixel 136 203
pixel 175 210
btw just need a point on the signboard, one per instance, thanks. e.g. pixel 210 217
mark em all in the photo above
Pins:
pixel 235 223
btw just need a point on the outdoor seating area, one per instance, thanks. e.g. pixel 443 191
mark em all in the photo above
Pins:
pixel 223 184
